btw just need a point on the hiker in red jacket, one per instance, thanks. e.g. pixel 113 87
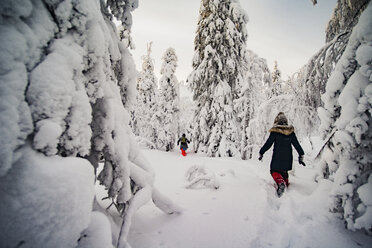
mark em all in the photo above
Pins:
pixel 184 141
pixel 283 137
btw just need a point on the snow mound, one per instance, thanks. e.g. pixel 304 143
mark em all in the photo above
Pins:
pixel 199 176
pixel 45 201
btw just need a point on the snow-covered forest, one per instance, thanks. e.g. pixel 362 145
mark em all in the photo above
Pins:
pixel 89 151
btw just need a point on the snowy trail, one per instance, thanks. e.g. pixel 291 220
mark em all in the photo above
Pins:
pixel 243 212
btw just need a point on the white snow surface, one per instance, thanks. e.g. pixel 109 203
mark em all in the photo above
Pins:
pixel 243 212
pixel 45 201
pixel 98 234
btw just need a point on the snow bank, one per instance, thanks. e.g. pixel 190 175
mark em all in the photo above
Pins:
pixel 45 201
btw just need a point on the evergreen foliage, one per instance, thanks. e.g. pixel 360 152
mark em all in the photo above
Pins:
pixel 313 77
pixel 346 125
pixel 167 115
pixel 146 106
pixel 277 88
pixel 217 66
pixel 252 91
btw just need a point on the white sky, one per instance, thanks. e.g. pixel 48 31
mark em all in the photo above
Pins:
pixel 289 31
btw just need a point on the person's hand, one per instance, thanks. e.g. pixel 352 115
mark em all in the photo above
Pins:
pixel 301 160
pixel 260 157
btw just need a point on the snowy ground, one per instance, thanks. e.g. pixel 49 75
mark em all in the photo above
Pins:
pixel 243 212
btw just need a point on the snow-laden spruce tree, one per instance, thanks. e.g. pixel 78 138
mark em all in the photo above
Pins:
pixel 277 82
pixel 346 124
pixel 166 118
pixel 319 68
pixel 146 105
pixel 252 90
pixel 187 109
pixel 64 77
pixel 344 17
pixel 219 51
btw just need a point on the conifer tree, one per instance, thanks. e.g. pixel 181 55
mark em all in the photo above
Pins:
pixel 277 82
pixel 317 71
pixel 146 99
pixel 217 65
pixel 346 125
pixel 187 108
pixel 166 118
pixel 252 90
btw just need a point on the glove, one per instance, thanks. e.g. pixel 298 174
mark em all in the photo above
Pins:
pixel 260 157
pixel 301 160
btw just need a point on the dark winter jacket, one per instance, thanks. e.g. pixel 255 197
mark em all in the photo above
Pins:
pixel 283 137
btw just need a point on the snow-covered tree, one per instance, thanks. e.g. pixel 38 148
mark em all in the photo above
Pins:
pixel 277 82
pixel 146 105
pixel 64 77
pixel 187 109
pixel 346 125
pixel 252 90
pixel 319 68
pixel 217 65
pixel 276 74
pixel 345 17
pixel 167 116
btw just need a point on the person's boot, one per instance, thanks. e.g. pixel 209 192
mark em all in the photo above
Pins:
pixel 183 152
pixel 280 190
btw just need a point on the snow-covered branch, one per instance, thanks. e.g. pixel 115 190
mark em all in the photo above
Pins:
pixel 67 82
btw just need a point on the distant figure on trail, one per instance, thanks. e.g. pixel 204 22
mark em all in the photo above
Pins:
pixel 184 141
pixel 283 137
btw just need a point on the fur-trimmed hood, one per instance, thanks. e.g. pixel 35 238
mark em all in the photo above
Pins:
pixel 283 129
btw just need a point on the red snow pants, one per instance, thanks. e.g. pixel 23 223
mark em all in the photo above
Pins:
pixel 280 177
pixel 183 152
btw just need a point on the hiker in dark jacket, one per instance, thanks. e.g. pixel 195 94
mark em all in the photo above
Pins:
pixel 184 141
pixel 283 137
